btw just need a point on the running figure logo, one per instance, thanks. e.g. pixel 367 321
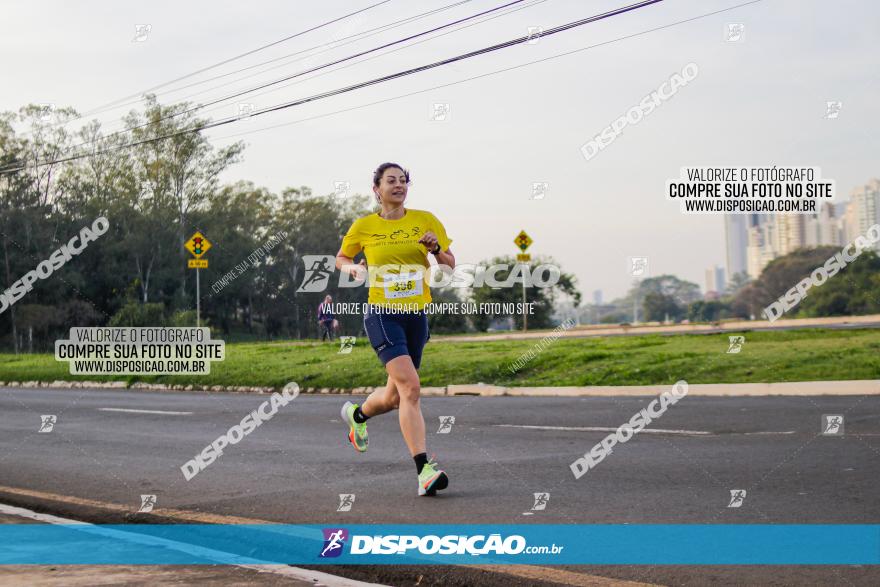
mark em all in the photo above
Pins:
pixel 737 496
pixel 446 423
pixel 245 110
pixel 346 500
pixel 141 32
pixel 334 541
pixel 539 189
pixel 832 109
pixel 47 423
pixel 534 34
pixel 148 502
pixel 341 188
pixel 735 32
pixel 736 344
pixel 541 500
pixel 832 424
pixel 318 270
pixel 346 343
pixel 47 109
pixel 638 266
pixel 440 112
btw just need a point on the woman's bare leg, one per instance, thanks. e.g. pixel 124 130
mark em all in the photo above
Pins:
pixel 402 373
pixel 382 400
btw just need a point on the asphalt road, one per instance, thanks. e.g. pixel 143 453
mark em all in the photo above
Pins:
pixel 293 468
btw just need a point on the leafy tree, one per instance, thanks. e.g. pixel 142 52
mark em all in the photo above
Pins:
pixel 683 292
pixel 736 283
pixel 176 174
pixel 659 306
pixel 447 322
pixel 543 299
pixel 315 226
pixel 853 291
pixel 135 314
pixel 780 275
pixel 707 311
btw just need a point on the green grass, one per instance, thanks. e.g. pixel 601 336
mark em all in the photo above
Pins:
pixel 795 355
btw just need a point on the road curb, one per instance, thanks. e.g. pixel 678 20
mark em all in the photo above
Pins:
pixel 598 331
pixel 787 388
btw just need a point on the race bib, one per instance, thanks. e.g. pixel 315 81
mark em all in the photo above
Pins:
pixel 403 285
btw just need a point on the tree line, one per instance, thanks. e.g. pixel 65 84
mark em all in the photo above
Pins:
pixel 155 194
pixel 853 291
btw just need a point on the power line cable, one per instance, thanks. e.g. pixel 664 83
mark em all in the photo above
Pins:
pixel 119 103
pixel 353 87
pixel 310 78
pixel 306 71
pixel 487 74
pixel 350 39
pixel 246 53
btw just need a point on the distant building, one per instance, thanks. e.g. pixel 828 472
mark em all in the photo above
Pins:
pixel 862 210
pixel 715 282
pixel 773 236
pixel 790 234
pixel 597 297
pixel 753 240
pixel 736 240
pixel 823 228
pixel 760 245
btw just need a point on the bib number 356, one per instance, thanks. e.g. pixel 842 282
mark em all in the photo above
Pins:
pixel 403 285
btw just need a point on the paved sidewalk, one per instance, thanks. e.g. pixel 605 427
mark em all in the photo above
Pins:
pixel 789 388
pixel 587 331
pixel 793 388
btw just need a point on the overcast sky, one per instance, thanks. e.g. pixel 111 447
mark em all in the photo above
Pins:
pixel 760 101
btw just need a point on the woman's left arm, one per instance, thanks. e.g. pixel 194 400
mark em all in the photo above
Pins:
pixel 429 239
pixel 446 258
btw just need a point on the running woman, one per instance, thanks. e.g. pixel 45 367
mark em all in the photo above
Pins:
pixel 397 243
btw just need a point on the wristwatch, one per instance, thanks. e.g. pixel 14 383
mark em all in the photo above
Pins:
pixel 436 251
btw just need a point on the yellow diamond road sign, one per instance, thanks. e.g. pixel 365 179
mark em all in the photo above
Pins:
pixel 523 241
pixel 198 245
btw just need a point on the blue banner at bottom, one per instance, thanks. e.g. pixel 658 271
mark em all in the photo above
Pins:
pixel 171 544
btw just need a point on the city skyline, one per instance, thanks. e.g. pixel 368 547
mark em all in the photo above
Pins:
pixel 753 240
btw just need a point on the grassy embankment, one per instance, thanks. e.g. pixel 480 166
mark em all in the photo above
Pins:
pixel 796 355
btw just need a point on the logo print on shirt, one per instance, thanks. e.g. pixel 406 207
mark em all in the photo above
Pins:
pixel 399 234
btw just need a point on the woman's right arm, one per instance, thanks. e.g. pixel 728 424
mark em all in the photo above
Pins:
pixel 347 264
pixel 351 243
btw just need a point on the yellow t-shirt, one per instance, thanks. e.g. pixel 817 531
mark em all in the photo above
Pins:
pixel 397 262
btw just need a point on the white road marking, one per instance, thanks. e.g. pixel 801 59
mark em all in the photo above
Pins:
pixel 133 411
pixel 314 577
pixel 605 429
pixel 23 513
pixel 646 430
